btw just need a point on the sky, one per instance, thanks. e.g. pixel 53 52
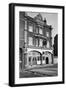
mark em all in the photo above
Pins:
pixel 52 19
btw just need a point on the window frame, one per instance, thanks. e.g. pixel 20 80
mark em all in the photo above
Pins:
pixel 31 40
pixel 30 24
pixel 39 42
pixel 39 30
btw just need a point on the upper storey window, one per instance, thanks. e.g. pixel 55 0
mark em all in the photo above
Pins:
pixel 48 44
pixel 30 41
pixel 40 31
pixel 41 43
pixel 30 28
pixel 36 41
pixel 36 30
pixel 47 34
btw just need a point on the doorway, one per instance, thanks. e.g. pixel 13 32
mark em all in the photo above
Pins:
pixel 30 61
pixel 47 60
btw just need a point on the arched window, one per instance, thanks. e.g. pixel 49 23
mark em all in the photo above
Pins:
pixel 48 44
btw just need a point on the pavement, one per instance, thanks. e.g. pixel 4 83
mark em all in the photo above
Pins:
pixel 40 71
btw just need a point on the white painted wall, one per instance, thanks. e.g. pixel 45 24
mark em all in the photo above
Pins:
pixel 40 50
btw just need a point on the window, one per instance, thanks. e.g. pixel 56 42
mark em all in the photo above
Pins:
pixel 36 30
pixel 30 41
pixel 41 42
pixel 20 54
pixel 38 58
pixel 29 59
pixel 40 31
pixel 31 28
pixel 44 42
pixel 35 58
pixel 48 44
pixel 36 42
pixel 47 34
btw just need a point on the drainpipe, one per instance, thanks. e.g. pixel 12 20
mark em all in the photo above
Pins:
pixel 41 59
pixel 52 59
pixel 23 61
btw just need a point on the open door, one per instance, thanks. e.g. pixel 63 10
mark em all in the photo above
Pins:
pixel 47 60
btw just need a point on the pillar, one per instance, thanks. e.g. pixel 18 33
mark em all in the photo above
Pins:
pixel 52 59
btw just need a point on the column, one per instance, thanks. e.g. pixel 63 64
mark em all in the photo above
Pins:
pixel 25 34
pixel 41 58
pixel 52 59
pixel 25 41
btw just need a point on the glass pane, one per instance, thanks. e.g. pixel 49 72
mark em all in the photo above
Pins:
pixel 30 41
pixel 31 28
pixel 36 42
pixel 40 43
pixel 47 34
pixel 47 44
pixel 40 31
pixel 36 30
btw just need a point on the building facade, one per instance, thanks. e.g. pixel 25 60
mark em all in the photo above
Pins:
pixel 35 41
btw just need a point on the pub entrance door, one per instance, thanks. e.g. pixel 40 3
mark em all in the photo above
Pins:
pixel 47 60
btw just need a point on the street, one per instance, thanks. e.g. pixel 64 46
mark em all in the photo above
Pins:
pixel 42 71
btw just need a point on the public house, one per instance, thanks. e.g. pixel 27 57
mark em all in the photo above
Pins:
pixel 35 41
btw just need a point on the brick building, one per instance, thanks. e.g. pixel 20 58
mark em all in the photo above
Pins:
pixel 35 41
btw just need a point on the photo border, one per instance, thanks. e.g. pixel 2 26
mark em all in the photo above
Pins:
pixel 12 43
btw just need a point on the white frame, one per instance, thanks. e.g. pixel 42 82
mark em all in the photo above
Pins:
pixel 39 79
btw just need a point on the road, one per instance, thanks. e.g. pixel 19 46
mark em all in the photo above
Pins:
pixel 42 71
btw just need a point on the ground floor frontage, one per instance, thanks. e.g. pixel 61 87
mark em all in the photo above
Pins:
pixel 34 57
